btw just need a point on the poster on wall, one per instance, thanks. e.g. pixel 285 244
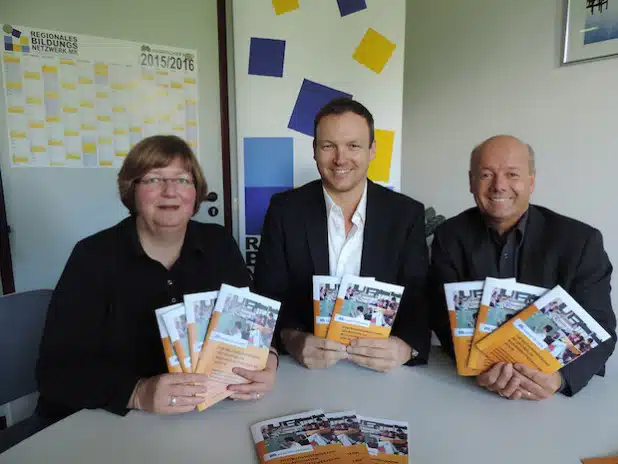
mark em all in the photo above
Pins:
pixel 591 30
pixel 290 59
pixel 75 100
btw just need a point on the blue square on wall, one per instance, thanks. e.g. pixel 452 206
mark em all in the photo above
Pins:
pixel 347 7
pixel 257 200
pixel 266 57
pixel 311 97
pixel 269 161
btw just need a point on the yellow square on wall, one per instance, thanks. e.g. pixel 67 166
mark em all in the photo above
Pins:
pixel 285 6
pixel 24 40
pixel 16 48
pixel 380 167
pixel 374 51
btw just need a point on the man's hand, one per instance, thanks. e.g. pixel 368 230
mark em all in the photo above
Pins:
pixel 311 351
pixel 519 381
pixel 379 354
pixel 535 385
pixel 260 382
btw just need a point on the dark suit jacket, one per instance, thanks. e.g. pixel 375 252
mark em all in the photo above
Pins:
pixel 294 247
pixel 556 250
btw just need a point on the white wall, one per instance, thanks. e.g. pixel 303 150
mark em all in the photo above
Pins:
pixel 484 67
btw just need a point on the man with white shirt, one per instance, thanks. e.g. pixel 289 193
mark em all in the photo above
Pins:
pixel 344 224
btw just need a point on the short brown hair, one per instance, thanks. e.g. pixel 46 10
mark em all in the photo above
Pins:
pixel 157 152
pixel 343 105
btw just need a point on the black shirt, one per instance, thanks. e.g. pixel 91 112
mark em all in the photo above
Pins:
pixel 101 334
pixel 503 250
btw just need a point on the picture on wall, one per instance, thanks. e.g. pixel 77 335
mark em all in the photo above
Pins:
pixel 591 30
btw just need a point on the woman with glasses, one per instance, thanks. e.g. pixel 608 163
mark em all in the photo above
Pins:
pixel 101 347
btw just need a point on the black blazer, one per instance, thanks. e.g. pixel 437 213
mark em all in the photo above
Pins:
pixel 294 247
pixel 556 250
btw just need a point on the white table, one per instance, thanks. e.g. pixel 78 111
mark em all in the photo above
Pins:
pixel 447 415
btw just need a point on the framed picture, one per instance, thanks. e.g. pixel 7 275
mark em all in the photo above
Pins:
pixel 591 30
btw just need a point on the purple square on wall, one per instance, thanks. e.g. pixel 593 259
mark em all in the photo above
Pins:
pixel 347 7
pixel 266 57
pixel 311 98
pixel 257 200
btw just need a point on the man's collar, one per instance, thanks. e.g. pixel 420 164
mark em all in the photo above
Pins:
pixel 361 209
pixel 520 227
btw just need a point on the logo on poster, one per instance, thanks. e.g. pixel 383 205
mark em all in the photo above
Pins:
pixel 14 40
pixel 53 42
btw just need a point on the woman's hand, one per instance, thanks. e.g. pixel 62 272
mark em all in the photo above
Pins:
pixel 169 393
pixel 260 382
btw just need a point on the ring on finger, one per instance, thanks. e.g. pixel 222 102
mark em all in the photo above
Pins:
pixel 173 401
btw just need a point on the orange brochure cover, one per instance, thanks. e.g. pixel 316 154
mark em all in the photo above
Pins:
pixel 239 335
pixel 304 438
pixel 215 391
pixel 199 308
pixel 173 364
pixel 176 324
pixel 325 289
pixel 346 428
pixel 364 309
pixel 609 460
pixel 463 300
pixel 501 300
pixel 387 440
pixel 549 334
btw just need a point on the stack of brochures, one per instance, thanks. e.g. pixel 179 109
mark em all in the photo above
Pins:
pixel 354 307
pixel 338 437
pixel 501 320
pixel 213 332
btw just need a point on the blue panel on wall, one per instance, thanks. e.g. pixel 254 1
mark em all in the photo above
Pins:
pixel 266 57
pixel 257 200
pixel 269 161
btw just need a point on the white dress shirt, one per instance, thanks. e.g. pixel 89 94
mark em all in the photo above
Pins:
pixel 344 253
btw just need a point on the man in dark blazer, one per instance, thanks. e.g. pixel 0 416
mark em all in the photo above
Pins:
pixel 505 236
pixel 345 224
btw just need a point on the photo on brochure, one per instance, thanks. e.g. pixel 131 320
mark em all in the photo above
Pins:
pixel 370 304
pixel 464 299
pixel 346 428
pixel 549 334
pixel 566 335
pixel 307 432
pixel 325 289
pixel 506 300
pixel 384 436
pixel 502 299
pixel 245 321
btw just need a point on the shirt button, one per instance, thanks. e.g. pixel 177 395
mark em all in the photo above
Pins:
pixel 170 282
pixel 173 300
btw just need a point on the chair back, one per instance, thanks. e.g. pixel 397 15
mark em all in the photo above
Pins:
pixel 22 318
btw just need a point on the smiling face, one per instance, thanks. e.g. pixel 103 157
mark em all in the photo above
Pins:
pixel 501 180
pixel 167 204
pixel 343 152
